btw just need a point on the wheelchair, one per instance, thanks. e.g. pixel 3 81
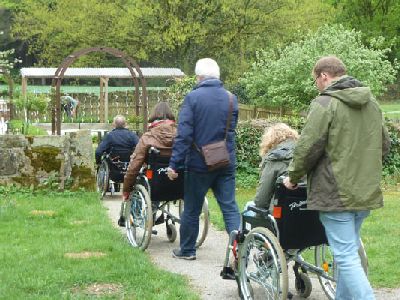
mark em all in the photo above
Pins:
pixel 110 173
pixel 157 200
pixel 267 242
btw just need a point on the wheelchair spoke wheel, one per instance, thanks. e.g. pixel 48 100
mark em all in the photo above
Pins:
pixel 204 221
pixel 262 267
pixel 324 259
pixel 139 222
pixel 102 179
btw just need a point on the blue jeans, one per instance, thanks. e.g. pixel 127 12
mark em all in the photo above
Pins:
pixel 343 233
pixel 222 183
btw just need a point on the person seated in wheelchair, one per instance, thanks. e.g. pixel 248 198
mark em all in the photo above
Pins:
pixel 161 133
pixel 119 142
pixel 276 150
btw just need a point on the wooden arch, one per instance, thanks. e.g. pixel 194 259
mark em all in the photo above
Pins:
pixel 10 83
pixel 138 79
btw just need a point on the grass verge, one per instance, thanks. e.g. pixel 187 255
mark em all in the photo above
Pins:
pixel 63 246
pixel 380 234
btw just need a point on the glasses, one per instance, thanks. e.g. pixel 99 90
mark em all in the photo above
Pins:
pixel 315 79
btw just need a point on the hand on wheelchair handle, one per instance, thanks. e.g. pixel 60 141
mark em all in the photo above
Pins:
pixel 172 175
pixel 125 196
pixel 288 184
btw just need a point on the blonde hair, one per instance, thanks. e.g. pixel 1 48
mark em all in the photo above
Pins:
pixel 275 135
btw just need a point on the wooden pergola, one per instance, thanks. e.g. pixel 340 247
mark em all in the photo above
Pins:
pixel 104 74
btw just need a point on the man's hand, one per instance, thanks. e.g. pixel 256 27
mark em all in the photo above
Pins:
pixel 172 175
pixel 125 196
pixel 288 184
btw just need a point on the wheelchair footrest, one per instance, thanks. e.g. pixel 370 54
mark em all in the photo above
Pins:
pixel 227 273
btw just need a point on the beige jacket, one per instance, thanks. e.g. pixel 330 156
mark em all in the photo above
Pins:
pixel 161 135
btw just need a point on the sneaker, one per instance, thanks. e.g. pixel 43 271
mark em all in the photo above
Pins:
pixel 176 253
pixel 121 221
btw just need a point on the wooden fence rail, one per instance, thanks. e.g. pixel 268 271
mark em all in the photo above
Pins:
pixel 122 103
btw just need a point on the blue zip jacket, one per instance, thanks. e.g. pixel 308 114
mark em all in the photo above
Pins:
pixel 119 140
pixel 202 120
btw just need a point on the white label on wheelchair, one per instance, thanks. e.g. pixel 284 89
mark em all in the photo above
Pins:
pixel 298 205
pixel 162 170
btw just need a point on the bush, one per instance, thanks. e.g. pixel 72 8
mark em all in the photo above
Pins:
pixel 176 93
pixel 391 165
pixel 248 138
pixel 283 78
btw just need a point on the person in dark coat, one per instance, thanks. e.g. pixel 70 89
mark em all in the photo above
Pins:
pixel 120 140
pixel 202 120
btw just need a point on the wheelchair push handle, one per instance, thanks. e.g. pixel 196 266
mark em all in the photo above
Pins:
pixel 280 179
pixel 154 150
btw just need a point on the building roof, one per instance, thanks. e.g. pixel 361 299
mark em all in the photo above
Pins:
pixel 101 72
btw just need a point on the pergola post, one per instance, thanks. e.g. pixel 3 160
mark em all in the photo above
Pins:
pixel 24 86
pixel 104 99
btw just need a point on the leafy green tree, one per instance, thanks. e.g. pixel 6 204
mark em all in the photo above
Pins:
pixel 163 33
pixel 283 78
pixel 374 18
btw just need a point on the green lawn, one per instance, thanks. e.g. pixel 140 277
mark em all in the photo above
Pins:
pixel 37 231
pixel 380 233
pixel 391 110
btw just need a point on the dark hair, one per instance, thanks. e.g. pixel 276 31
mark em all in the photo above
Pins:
pixel 161 111
pixel 331 65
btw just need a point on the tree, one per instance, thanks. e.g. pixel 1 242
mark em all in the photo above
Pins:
pixel 283 78
pixel 162 33
pixel 374 18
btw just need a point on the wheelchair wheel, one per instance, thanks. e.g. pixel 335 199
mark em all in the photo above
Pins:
pixel 103 174
pixel 325 260
pixel 262 269
pixel 204 221
pixel 139 222
pixel 303 285
pixel 171 232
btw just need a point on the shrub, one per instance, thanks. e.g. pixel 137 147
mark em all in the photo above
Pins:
pixel 248 138
pixel 283 78
pixel 176 93
pixel 391 165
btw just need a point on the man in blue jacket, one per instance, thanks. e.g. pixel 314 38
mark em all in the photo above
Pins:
pixel 120 141
pixel 202 120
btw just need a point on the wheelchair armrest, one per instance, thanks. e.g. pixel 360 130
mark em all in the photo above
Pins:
pixel 261 211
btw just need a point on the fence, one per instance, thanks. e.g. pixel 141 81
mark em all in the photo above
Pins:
pixel 250 112
pixel 119 103
pixel 122 103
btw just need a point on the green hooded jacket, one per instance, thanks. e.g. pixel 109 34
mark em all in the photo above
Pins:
pixel 341 149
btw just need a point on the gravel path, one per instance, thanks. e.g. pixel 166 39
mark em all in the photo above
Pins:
pixel 203 273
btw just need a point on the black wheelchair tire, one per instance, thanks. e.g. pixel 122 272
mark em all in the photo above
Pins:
pixel 103 178
pixel 145 202
pixel 265 239
pixel 303 285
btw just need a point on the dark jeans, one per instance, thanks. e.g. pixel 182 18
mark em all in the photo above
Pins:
pixel 222 183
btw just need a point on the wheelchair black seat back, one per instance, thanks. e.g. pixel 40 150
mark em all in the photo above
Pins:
pixel 118 164
pixel 296 227
pixel 161 188
pixel 111 171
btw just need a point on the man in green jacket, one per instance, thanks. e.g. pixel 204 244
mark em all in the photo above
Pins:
pixel 341 149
